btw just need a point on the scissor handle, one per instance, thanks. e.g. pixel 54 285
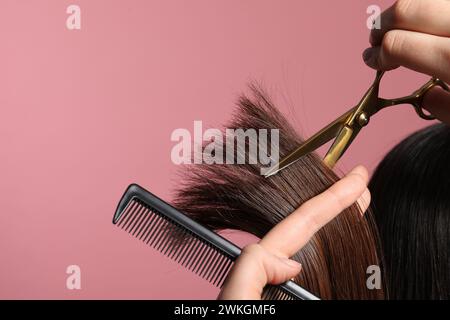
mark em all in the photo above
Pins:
pixel 434 82
pixel 416 99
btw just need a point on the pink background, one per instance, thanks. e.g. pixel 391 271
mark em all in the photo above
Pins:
pixel 84 113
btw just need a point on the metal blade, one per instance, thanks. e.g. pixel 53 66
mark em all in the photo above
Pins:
pixel 319 139
pixel 342 142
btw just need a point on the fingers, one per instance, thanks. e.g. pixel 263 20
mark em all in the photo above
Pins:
pixel 364 201
pixel 268 261
pixel 255 268
pixel 421 52
pixel 290 235
pixel 416 34
pixel 437 102
pixel 426 16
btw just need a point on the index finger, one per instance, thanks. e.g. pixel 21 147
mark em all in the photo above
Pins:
pixel 425 16
pixel 291 234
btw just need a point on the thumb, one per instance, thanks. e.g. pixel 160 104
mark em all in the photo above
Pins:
pixel 254 269
pixel 437 101
pixel 279 269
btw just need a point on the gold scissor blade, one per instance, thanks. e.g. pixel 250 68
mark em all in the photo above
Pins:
pixel 319 139
pixel 341 144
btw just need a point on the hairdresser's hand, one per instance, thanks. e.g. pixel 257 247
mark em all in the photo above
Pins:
pixel 268 261
pixel 416 34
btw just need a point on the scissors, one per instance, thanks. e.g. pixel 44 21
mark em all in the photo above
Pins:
pixel 345 128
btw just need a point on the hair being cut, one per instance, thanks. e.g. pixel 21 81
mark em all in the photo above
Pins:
pixel 238 197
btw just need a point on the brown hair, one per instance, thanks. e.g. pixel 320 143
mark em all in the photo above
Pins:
pixel 238 197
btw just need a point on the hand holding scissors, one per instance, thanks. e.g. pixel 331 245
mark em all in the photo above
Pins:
pixel 347 127
pixel 416 34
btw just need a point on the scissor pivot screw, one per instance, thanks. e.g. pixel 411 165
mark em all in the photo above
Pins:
pixel 363 119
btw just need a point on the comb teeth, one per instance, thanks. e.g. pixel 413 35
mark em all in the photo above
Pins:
pixel 207 254
pixel 175 242
pixel 275 293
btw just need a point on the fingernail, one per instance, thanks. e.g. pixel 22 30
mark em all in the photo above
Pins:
pixel 292 263
pixel 364 202
pixel 368 54
pixel 360 170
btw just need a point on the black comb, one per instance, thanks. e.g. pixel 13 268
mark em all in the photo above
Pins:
pixel 197 248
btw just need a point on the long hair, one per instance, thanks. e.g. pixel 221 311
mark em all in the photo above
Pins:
pixel 238 197
pixel 411 200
